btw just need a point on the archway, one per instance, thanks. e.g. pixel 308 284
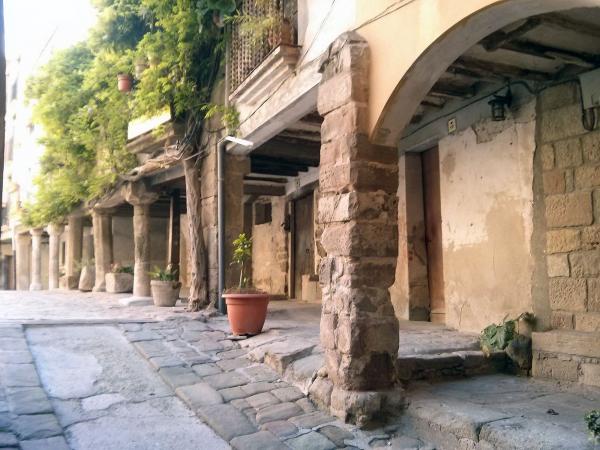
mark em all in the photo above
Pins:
pixel 500 193
pixel 391 111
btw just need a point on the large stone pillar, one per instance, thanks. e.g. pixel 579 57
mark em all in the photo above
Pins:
pixel 74 251
pixel 36 259
pixel 103 246
pixel 357 211
pixel 54 231
pixel 141 199
pixel 22 255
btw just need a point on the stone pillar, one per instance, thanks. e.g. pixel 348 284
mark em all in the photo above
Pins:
pixel 137 195
pixel 22 255
pixel 36 259
pixel 74 251
pixel 103 246
pixel 357 211
pixel 54 231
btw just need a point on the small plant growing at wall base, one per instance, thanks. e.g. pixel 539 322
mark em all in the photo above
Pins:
pixel 592 420
pixel 246 306
pixel 497 337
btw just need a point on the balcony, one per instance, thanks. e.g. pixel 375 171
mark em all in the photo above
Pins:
pixel 260 59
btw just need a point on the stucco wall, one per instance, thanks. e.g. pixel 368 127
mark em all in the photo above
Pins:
pixel 122 229
pixel 269 251
pixel 486 175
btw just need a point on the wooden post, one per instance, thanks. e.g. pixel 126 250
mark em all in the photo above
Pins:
pixel 174 229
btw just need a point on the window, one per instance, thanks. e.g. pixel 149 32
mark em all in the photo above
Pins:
pixel 262 213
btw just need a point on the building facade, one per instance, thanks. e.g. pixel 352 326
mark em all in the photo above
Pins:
pixel 420 160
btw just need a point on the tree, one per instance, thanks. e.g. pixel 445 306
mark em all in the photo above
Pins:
pixel 85 118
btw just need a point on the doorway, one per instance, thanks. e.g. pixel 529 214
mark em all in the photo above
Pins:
pixel 303 242
pixel 430 161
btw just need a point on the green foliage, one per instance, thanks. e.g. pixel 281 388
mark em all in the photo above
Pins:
pixel 242 252
pixel 85 117
pixel 182 60
pixel 592 420
pixel 118 268
pixel 167 274
pixel 230 117
pixel 255 28
pixel 497 337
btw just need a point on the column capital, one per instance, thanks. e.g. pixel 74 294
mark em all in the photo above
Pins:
pixel 98 211
pixel 55 229
pixel 36 231
pixel 138 194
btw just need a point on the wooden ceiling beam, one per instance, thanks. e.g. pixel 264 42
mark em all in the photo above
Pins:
pixel 444 89
pixel 562 22
pixel 580 59
pixel 498 39
pixel 500 71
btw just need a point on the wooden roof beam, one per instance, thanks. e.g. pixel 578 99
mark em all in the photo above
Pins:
pixel 566 23
pixel 500 71
pixel 496 40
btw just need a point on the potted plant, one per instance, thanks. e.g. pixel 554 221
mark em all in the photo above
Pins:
pixel 246 306
pixel 164 286
pixel 119 279
pixel 125 82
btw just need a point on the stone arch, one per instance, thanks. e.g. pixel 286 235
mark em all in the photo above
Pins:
pixel 388 123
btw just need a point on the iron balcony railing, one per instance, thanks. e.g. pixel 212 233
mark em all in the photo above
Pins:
pixel 263 25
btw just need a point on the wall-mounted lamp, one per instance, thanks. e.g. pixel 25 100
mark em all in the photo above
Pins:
pixel 499 103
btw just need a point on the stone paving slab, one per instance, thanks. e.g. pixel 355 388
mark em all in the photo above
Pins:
pixel 244 402
pixel 27 417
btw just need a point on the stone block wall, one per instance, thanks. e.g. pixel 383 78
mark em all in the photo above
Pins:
pixel 570 167
pixel 570 159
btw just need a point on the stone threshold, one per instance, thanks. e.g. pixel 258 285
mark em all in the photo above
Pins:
pixel 500 411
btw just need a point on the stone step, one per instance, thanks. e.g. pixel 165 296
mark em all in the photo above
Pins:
pixel 449 365
pixel 498 412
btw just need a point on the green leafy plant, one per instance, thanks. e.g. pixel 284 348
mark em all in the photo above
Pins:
pixel 169 273
pixel 496 337
pixel 592 420
pixel 242 252
pixel 230 117
pixel 118 268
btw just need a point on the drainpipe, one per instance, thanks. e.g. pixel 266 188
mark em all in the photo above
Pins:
pixel 221 150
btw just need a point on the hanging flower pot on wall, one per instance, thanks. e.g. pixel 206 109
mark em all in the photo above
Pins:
pixel 124 82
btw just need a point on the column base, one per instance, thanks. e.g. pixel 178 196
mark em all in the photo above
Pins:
pixel 99 287
pixel 365 407
pixel 69 282
pixel 35 287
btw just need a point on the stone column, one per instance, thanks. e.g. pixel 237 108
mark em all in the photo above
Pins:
pixel 36 259
pixel 54 231
pixel 357 211
pixel 22 255
pixel 73 250
pixel 137 195
pixel 103 246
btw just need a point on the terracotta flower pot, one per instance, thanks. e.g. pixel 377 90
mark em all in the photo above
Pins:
pixel 165 293
pixel 246 312
pixel 125 82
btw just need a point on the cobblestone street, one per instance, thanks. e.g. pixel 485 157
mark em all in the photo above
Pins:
pixel 81 371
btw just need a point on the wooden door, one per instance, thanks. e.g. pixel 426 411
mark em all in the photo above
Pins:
pixel 433 233
pixel 304 243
